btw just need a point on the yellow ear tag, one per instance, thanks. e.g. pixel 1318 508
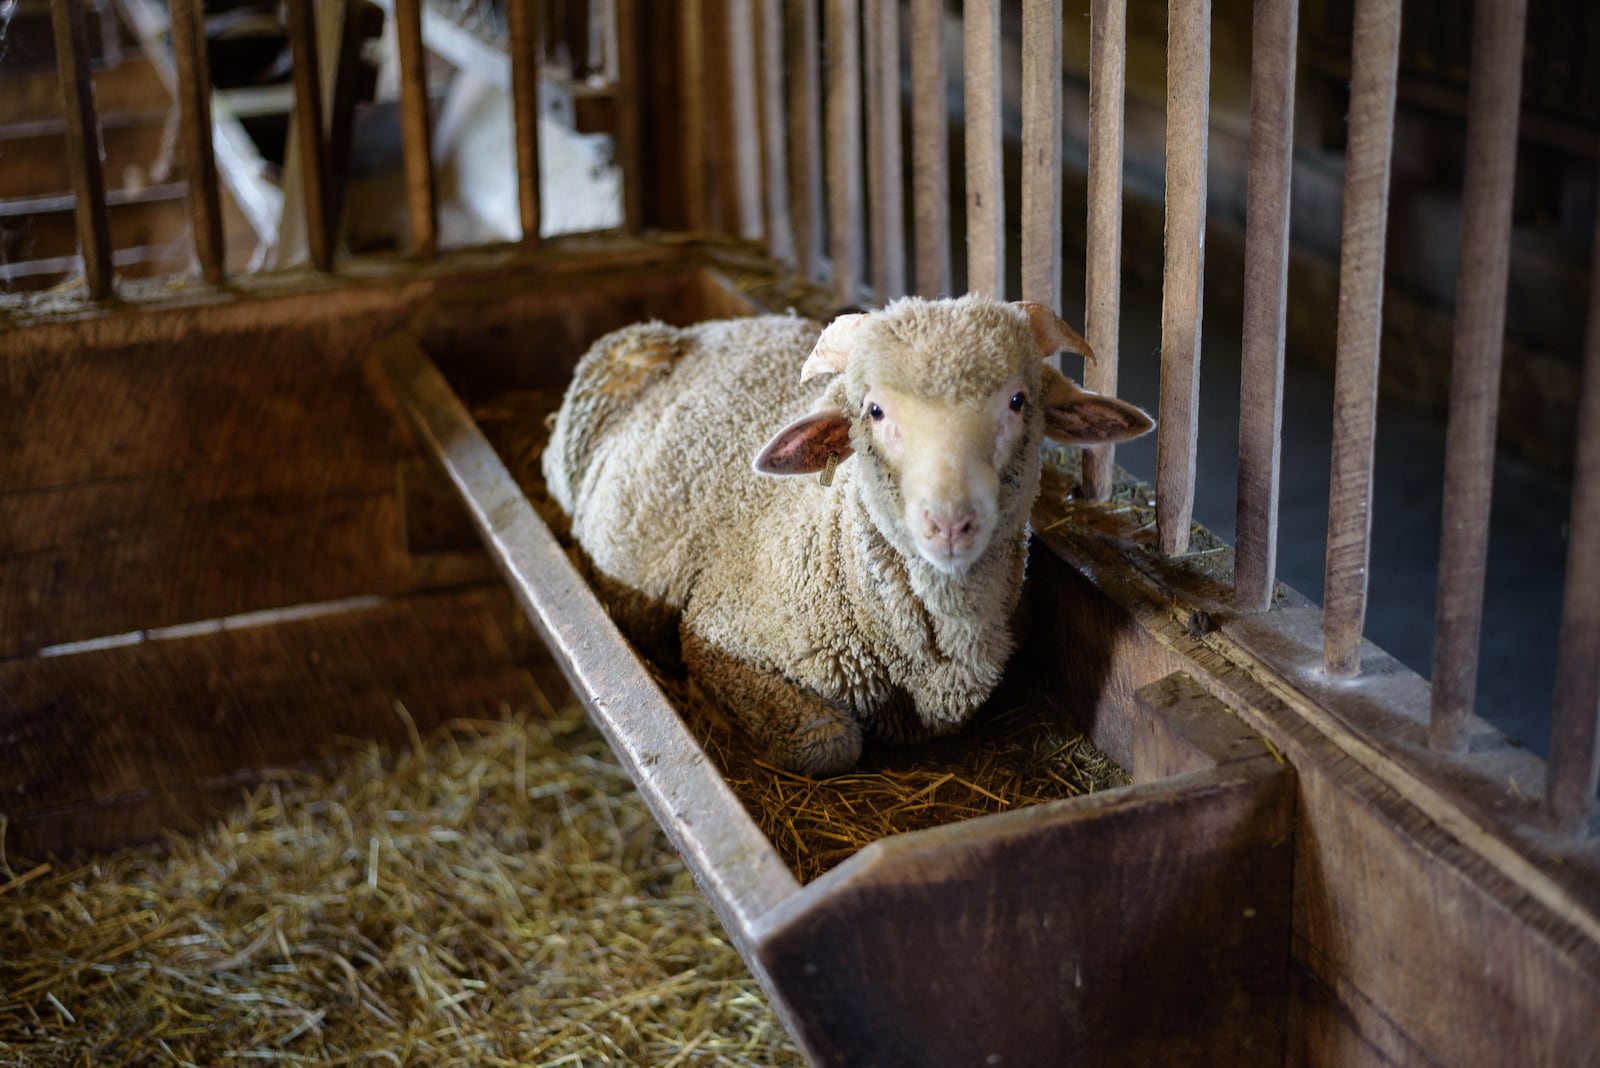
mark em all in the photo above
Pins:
pixel 827 472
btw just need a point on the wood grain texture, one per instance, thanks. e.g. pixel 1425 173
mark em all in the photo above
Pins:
pixel 422 210
pixel 740 134
pixel 1266 289
pixel 884 168
pixel 1041 152
pixel 693 115
pixel 199 158
pixel 802 47
pixel 930 150
pixel 83 144
pixel 842 103
pixel 630 87
pixel 522 22
pixel 1182 282
pixel 312 146
pixel 779 223
pixel 1368 157
pixel 985 145
pixel 1108 32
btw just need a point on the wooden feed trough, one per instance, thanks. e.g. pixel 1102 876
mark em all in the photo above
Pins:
pixel 225 548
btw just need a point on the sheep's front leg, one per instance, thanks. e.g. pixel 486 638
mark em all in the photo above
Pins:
pixel 794 727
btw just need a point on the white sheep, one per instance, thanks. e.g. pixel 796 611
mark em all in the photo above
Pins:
pixel 881 602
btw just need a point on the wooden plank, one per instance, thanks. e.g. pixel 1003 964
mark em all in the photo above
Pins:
pixel 422 209
pixel 1041 152
pixel 310 143
pixel 83 144
pixel 884 168
pixel 630 87
pixel 1575 714
pixel 115 745
pixel 1108 31
pixel 774 140
pixel 523 42
pixel 986 206
pixel 747 219
pixel 199 160
pixel 802 51
pixel 930 150
pixel 842 102
pixel 1375 50
pixel 1485 262
pixel 1183 278
pixel 1275 40
pixel 693 108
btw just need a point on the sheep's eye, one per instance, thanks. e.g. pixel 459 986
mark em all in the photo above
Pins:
pixel 1017 401
pixel 875 411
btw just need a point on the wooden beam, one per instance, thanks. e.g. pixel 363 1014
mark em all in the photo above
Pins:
pixel 83 144
pixel 415 126
pixel 930 151
pixel 1108 59
pixel 523 33
pixel 1041 152
pixel 884 169
pixel 842 103
pixel 311 144
pixel 986 204
pixel 630 86
pixel 200 161
pixel 774 143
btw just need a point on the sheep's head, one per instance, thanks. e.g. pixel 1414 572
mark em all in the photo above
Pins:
pixel 946 402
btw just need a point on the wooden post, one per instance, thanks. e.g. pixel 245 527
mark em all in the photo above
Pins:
pixel 630 84
pixel 1266 288
pixel 692 114
pixel 1494 100
pixel 986 205
pixel 730 74
pixel 522 24
pixel 422 208
pixel 1183 280
pixel 802 46
pixel 843 103
pixel 1375 57
pixel 312 146
pixel 83 144
pixel 774 146
pixel 930 150
pixel 1041 152
pixel 194 117
pixel 1108 25
pixel 883 150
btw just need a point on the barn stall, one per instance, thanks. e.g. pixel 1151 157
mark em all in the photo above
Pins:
pixel 235 504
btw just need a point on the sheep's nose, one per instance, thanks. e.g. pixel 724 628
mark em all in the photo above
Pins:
pixel 952 525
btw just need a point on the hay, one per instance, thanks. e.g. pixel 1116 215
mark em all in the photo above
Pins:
pixel 500 898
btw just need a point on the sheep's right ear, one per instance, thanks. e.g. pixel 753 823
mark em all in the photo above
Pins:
pixel 803 447
pixel 832 352
pixel 1076 416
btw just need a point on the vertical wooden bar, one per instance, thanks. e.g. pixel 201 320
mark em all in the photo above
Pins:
pixel 83 144
pixel 730 73
pixel 1183 279
pixel 1041 151
pixel 422 207
pixel 693 112
pixel 986 207
pixel 522 26
pixel 1266 289
pixel 194 121
pixel 1375 57
pixel 843 102
pixel 312 145
pixel 774 154
pixel 883 150
pixel 1108 35
pixel 1575 716
pixel 802 49
pixel 930 149
pixel 1494 97
pixel 630 86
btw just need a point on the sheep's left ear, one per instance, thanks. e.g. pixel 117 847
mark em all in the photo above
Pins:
pixel 803 447
pixel 1075 416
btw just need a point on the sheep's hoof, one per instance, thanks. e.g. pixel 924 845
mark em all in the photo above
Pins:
pixel 825 745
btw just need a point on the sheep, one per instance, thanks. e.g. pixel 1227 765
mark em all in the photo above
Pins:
pixel 815 614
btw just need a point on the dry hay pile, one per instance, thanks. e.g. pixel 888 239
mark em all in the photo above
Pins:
pixel 500 898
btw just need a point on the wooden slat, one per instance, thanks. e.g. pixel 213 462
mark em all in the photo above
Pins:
pixel 1495 92
pixel 802 45
pixel 421 204
pixel 1182 282
pixel 199 160
pixel 843 126
pixel 522 24
pixel 744 129
pixel 774 143
pixel 1041 152
pixel 1108 31
pixel 930 150
pixel 1575 717
pixel 630 84
pixel 986 207
pixel 312 146
pixel 883 151
pixel 1375 50
pixel 1266 289
pixel 694 105
pixel 83 144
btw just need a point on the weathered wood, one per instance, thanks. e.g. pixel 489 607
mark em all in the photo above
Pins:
pixel 199 160
pixel 884 169
pixel 83 144
pixel 802 44
pixel 735 142
pixel 1274 42
pixel 1575 713
pixel 1375 50
pixel 1182 283
pixel 1486 196
pixel 693 107
pixel 522 25
pixel 1108 31
pixel 774 141
pixel 843 126
pixel 310 143
pixel 422 209
pixel 986 204
pixel 1041 152
pixel 930 151
pixel 630 86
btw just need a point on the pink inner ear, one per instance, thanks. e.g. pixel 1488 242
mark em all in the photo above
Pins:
pixel 802 447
